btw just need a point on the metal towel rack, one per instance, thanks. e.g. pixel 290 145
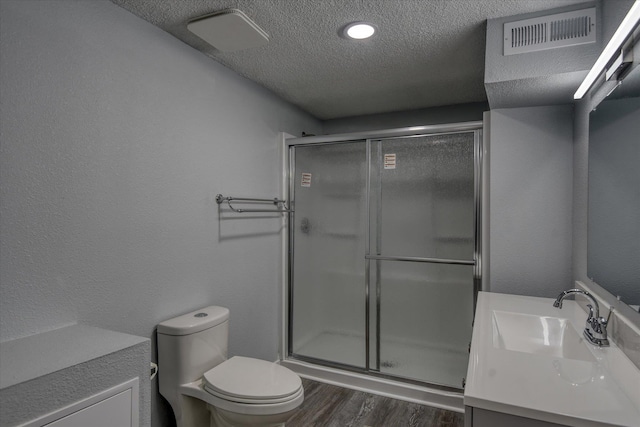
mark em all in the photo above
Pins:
pixel 277 202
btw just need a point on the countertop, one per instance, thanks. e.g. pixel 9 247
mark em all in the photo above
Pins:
pixel 24 359
pixel 602 392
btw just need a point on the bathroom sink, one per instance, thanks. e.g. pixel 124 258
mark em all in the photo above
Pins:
pixel 529 359
pixel 527 333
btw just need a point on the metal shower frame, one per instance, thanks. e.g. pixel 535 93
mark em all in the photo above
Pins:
pixel 414 131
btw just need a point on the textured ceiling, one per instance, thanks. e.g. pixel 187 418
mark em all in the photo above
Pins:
pixel 427 52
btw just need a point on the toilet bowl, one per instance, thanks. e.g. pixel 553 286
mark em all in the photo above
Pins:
pixel 204 388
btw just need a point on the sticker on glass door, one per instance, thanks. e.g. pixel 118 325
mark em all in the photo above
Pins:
pixel 390 161
pixel 306 180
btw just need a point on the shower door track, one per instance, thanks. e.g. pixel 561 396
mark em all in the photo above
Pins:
pixel 369 372
pixel 413 131
pixel 419 259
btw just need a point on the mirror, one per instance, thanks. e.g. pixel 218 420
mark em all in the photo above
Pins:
pixel 613 251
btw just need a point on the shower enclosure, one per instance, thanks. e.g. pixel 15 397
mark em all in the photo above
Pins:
pixel 384 251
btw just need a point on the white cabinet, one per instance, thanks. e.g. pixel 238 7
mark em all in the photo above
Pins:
pixel 110 412
pixel 475 417
pixel 115 407
pixel 77 375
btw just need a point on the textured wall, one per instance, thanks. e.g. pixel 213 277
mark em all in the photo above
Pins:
pixel 115 139
pixel 530 193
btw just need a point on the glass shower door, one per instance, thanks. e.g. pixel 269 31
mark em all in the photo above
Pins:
pixel 422 255
pixel 383 255
pixel 327 300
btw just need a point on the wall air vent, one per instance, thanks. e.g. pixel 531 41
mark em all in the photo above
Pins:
pixel 550 32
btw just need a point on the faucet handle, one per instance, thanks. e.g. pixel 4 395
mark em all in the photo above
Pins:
pixel 606 322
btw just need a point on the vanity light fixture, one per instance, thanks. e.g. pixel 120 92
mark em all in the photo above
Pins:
pixel 626 28
pixel 358 30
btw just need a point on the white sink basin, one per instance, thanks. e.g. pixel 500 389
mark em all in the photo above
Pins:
pixel 529 359
pixel 551 336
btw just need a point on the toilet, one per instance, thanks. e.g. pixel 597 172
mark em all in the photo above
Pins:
pixel 204 388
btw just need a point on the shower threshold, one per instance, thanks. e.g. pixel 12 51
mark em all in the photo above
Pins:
pixel 418 361
pixel 382 386
pixel 405 367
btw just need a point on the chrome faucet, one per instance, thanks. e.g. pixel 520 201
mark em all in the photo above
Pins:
pixel 595 330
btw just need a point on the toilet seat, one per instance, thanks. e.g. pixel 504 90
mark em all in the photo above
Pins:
pixel 255 408
pixel 254 401
pixel 196 389
pixel 252 381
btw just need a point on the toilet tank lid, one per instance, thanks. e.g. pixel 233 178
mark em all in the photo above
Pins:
pixel 195 321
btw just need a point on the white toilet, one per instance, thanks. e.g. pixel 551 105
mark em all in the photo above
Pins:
pixel 206 389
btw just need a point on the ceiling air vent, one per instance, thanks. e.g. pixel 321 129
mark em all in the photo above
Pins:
pixel 550 32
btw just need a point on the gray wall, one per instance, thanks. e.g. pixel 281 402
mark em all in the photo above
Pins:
pixel 426 116
pixel 115 139
pixel 530 192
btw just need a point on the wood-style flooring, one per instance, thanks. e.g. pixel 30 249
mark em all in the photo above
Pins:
pixel 332 406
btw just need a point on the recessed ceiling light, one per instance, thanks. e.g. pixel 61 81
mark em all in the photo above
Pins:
pixel 358 30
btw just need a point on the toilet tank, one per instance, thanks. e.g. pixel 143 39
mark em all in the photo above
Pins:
pixel 190 345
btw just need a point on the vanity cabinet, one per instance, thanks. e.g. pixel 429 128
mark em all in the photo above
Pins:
pixel 476 417
pixel 75 376
pixel 117 406
pixel 115 410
